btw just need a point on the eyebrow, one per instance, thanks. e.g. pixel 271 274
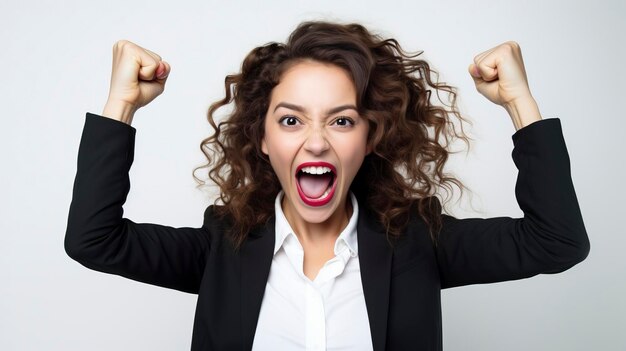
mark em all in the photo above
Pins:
pixel 303 110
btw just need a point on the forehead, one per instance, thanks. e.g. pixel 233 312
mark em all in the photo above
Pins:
pixel 313 82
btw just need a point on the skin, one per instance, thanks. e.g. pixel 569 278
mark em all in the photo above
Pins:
pixel 138 76
pixel 500 76
pixel 298 129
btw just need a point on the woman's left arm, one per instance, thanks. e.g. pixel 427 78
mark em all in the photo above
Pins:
pixel 500 76
pixel 551 237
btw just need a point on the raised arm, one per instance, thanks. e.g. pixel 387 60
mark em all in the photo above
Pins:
pixel 500 76
pixel 138 76
pixel 551 237
pixel 97 235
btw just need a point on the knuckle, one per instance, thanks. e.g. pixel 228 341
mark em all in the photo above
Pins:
pixel 512 45
pixel 154 55
pixel 123 44
pixel 119 45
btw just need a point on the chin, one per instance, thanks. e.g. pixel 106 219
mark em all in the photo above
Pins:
pixel 315 215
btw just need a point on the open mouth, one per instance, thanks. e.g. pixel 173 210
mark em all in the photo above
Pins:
pixel 316 182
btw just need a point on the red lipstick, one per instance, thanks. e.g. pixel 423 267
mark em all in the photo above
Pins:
pixel 328 195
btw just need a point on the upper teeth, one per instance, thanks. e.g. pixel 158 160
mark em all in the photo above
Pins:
pixel 315 170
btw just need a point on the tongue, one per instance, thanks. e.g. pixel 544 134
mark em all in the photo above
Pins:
pixel 313 186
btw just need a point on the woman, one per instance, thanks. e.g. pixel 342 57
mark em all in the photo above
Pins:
pixel 329 234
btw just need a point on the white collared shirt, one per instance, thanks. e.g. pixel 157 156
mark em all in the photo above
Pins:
pixel 328 313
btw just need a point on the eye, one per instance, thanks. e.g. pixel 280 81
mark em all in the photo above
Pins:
pixel 289 121
pixel 344 122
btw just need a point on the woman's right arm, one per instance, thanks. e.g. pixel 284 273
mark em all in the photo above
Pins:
pixel 97 235
pixel 138 76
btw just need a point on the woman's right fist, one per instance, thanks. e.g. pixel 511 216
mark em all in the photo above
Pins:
pixel 138 76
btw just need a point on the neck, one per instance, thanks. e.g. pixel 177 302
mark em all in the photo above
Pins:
pixel 321 233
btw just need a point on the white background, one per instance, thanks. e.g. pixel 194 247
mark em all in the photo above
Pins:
pixel 55 59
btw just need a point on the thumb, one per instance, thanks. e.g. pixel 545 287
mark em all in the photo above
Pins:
pixel 163 70
pixel 487 69
pixel 475 74
pixel 473 70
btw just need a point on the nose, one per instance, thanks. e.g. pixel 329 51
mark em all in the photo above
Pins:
pixel 316 142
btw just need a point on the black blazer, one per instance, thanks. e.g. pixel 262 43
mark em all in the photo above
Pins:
pixel 401 284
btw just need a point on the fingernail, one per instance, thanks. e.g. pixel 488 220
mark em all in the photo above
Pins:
pixel 475 71
pixel 161 71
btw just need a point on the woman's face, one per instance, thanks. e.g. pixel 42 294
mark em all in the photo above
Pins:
pixel 315 139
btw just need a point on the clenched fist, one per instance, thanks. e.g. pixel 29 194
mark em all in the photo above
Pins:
pixel 138 76
pixel 500 76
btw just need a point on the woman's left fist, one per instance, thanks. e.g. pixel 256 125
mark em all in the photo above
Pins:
pixel 499 74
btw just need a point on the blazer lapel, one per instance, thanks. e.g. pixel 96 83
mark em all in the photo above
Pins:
pixel 375 255
pixel 256 259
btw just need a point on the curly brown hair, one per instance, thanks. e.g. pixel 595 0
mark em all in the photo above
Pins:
pixel 409 134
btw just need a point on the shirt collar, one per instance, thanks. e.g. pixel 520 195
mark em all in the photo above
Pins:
pixel 347 237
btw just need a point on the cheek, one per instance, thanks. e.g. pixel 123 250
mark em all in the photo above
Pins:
pixel 355 164
pixel 281 169
pixel 281 152
pixel 281 149
pixel 353 152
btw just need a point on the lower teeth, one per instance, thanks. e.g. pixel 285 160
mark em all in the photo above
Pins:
pixel 325 193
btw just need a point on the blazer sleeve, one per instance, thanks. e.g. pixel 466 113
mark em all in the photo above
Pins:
pixel 100 238
pixel 550 238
